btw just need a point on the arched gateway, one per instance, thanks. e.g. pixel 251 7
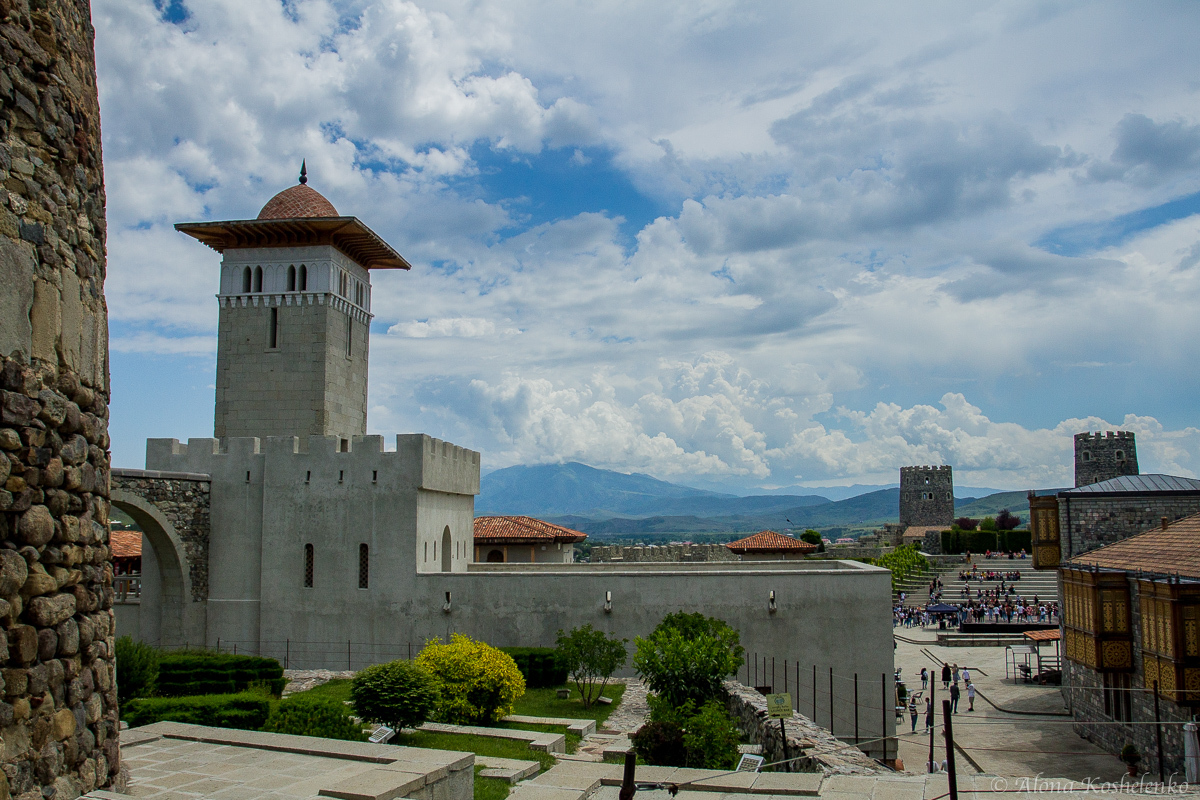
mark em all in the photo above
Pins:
pixel 172 509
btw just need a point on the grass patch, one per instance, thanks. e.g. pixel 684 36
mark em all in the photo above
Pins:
pixel 337 689
pixel 572 738
pixel 479 745
pixel 545 703
pixel 489 788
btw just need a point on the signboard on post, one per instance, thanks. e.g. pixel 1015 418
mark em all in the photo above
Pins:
pixel 779 706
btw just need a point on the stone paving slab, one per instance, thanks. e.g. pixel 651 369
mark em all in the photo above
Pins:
pixel 528 791
pixel 375 784
pixel 507 769
pixel 537 740
pixel 581 727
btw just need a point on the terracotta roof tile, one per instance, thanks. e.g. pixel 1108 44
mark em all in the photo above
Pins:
pixel 126 544
pixel 1171 551
pixel 297 202
pixel 771 542
pixel 519 530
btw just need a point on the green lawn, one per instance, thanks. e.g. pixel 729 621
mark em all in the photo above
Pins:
pixel 545 703
pixel 490 788
pixel 337 689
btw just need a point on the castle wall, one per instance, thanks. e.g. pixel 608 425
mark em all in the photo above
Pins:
pixel 927 496
pixel 1087 521
pixel 58 710
pixel 1102 456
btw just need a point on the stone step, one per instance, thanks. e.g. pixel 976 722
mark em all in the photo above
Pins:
pixel 580 727
pixel 506 769
pixel 537 740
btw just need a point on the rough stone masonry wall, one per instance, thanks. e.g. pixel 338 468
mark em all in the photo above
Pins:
pixel 58 716
pixel 185 503
pixel 1087 521
pixel 667 553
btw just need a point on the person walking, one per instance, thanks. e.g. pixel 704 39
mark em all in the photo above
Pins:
pixel 928 714
pixel 954 694
pixel 970 697
pixel 966 675
pixel 956 674
pixel 912 712
pixel 945 675
pixel 924 678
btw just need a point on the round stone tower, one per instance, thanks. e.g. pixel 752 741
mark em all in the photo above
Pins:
pixel 926 496
pixel 1104 455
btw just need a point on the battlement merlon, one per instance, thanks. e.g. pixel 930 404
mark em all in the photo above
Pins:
pixel 1088 436
pixel 441 466
pixel 942 468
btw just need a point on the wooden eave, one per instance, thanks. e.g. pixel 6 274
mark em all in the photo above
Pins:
pixel 347 234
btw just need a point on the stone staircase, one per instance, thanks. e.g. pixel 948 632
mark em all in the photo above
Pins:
pixel 1042 583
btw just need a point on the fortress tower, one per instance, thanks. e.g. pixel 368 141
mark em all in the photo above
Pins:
pixel 295 300
pixel 926 496
pixel 1104 455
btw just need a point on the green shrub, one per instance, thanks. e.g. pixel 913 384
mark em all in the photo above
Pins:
pixel 195 672
pixel 710 738
pixel 540 666
pixel 687 657
pixel 137 669
pixel 314 716
pixel 477 683
pixel 988 524
pixel 245 710
pixel 399 694
pixel 590 658
pixel 660 744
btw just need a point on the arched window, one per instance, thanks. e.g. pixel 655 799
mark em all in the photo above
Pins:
pixel 303 278
pixel 308 566
pixel 292 278
pixel 258 279
pixel 246 281
pixel 446 549
pixel 364 566
pixel 1120 455
pixel 495 557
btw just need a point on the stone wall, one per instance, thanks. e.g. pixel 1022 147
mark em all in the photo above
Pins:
pixel 822 751
pixel 1101 456
pixel 1087 521
pixel 666 553
pixel 184 500
pixel 926 496
pixel 58 717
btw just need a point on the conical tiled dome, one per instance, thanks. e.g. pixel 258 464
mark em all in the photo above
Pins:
pixel 297 202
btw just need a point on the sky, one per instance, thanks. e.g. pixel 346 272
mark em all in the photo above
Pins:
pixel 733 245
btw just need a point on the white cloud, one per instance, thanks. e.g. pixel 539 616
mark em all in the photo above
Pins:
pixel 463 327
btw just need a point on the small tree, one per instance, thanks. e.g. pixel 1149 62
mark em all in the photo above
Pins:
pixel 814 537
pixel 966 523
pixel 687 656
pixel 988 524
pixel 591 658
pixel 137 669
pixel 399 694
pixel 1007 521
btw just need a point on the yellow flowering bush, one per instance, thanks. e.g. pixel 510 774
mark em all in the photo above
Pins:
pixel 479 683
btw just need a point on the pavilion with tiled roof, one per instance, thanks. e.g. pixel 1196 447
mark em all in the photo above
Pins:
pixel 522 539
pixel 771 545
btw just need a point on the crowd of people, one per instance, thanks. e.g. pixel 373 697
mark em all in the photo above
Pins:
pixel 985 609
pixel 951 676
pixel 975 574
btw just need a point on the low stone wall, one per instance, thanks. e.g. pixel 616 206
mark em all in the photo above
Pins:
pixel 666 553
pixel 821 750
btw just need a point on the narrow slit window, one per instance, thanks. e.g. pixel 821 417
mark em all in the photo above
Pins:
pixel 292 278
pixel 349 337
pixel 374 476
pixel 364 566
pixel 308 476
pixel 274 328
pixel 246 281
pixel 258 279
pixel 341 475
pixel 308 566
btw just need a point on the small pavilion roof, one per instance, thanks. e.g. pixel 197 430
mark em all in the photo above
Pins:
pixel 125 544
pixel 522 530
pixel 770 542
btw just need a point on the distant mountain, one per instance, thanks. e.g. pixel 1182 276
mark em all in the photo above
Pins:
pixel 577 489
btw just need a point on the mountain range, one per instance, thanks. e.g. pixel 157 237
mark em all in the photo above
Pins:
pixel 614 504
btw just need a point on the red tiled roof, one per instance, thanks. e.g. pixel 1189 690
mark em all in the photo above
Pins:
pixel 522 530
pixel 1044 636
pixel 297 202
pixel 770 542
pixel 126 544
pixel 1174 550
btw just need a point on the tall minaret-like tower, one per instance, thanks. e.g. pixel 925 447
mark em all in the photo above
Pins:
pixel 295 303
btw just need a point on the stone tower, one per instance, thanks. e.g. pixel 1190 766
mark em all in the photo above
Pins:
pixel 1103 455
pixel 926 496
pixel 295 302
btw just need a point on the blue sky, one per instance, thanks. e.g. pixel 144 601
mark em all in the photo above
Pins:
pixel 747 245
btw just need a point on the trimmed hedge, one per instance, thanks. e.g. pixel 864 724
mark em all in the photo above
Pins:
pixel 245 710
pixel 314 716
pixel 196 672
pixel 957 541
pixel 539 665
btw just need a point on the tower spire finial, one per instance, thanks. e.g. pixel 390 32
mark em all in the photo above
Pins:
pixel 303 172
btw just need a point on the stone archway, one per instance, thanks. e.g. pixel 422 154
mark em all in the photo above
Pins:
pixel 172 511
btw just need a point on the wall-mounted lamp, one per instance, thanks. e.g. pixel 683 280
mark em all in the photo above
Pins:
pixel 608 602
pixel 771 603
pixel 446 605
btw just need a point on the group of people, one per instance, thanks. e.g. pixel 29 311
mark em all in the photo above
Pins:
pixel 975 574
pixel 985 608
pixel 951 676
